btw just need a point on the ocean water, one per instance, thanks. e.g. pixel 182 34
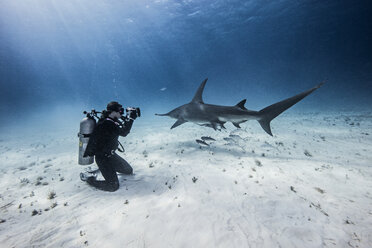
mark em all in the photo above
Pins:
pixel 308 185
pixel 78 55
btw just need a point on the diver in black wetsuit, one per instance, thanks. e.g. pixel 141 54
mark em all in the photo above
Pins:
pixel 105 143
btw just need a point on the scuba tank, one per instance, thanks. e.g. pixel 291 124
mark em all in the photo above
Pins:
pixel 87 126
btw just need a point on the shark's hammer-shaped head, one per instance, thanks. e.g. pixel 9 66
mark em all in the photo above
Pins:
pixel 179 113
pixel 182 113
pixel 175 113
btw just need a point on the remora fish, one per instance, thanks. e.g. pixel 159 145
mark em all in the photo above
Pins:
pixel 207 138
pixel 201 142
pixel 216 116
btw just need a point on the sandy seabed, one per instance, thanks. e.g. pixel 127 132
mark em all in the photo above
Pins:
pixel 308 186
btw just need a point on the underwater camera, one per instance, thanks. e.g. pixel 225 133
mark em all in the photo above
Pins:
pixel 133 113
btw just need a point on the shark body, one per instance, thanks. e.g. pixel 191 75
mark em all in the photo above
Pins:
pixel 215 116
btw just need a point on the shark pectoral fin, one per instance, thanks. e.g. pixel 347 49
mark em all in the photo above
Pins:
pixel 241 104
pixel 178 122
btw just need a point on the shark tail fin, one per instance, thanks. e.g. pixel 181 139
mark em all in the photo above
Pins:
pixel 269 113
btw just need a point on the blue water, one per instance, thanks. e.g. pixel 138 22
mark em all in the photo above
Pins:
pixel 154 54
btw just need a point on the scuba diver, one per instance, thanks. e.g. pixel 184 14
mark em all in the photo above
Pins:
pixel 103 144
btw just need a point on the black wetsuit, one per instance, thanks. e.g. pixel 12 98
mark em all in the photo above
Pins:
pixel 106 135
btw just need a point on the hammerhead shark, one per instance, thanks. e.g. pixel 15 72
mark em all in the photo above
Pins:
pixel 216 116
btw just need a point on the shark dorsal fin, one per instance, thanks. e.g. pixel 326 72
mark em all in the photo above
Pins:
pixel 241 104
pixel 199 94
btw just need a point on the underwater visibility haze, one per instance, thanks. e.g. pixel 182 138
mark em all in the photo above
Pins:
pixel 70 56
pixel 301 180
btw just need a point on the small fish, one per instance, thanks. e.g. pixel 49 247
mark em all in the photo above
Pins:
pixel 163 89
pixel 228 139
pixel 207 138
pixel 201 142
pixel 234 136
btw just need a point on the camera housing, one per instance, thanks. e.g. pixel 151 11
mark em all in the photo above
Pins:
pixel 133 112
